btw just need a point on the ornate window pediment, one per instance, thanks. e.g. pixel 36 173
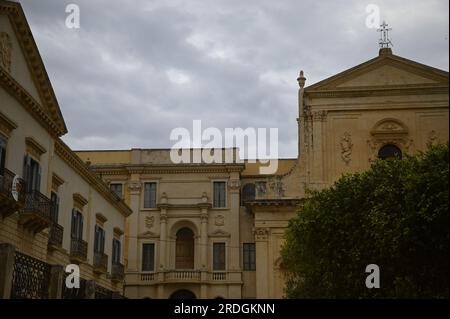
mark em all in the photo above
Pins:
pixel 388 131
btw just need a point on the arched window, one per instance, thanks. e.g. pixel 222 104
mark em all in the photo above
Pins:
pixel 389 151
pixel 248 193
pixel 184 251
pixel 183 294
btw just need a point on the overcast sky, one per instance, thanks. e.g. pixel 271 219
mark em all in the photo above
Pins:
pixel 137 69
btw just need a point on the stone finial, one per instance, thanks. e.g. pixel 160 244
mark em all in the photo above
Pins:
pixel 301 80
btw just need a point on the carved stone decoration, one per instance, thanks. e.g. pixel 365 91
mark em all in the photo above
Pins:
pixel 149 221
pixel 277 186
pixel 432 139
pixel 261 233
pixel 261 189
pixel 219 220
pixel 5 51
pixel 234 185
pixel 320 116
pixel 134 186
pixel 164 198
pixel 346 147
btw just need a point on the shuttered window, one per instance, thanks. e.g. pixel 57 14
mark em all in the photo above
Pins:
pixel 249 256
pixel 219 256
pixel 77 225
pixel 2 154
pixel 116 251
pixel 31 174
pixel 99 240
pixel 149 195
pixel 219 194
pixel 54 198
pixel 148 257
pixel 116 188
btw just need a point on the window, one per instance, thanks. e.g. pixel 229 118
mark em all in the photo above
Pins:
pixel 184 249
pixel 219 194
pixel 116 188
pixel 116 251
pixel 31 174
pixel 219 256
pixel 249 256
pixel 148 257
pixel 149 195
pixel 77 225
pixel 2 155
pixel 99 240
pixel 54 198
pixel 389 151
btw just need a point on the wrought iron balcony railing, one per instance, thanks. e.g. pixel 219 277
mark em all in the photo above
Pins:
pixel 35 215
pixel 12 197
pixel 55 238
pixel 100 262
pixel 78 250
pixel 117 272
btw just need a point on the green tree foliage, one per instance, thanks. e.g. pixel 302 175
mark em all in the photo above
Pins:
pixel 394 215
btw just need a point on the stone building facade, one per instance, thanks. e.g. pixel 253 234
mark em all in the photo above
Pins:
pixel 384 107
pixel 53 210
pixel 197 230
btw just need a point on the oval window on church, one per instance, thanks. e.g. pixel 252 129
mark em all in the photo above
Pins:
pixel 389 151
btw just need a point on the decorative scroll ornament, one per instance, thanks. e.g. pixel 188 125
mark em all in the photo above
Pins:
pixel 346 147
pixel 433 138
pixel 5 51
pixel 219 220
pixel 149 221
pixel 261 233
pixel 134 187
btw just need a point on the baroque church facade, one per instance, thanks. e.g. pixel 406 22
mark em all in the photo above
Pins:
pixel 215 230
pixel 185 230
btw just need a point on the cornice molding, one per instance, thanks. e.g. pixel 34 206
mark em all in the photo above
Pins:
pixel 6 125
pixel 34 148
pixel 66 154
pixel 34 61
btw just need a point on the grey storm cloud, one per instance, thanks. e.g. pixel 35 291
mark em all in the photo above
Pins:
pixel 137 69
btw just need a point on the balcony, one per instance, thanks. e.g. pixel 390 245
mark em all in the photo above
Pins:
pixel 218 276
pixel 35 215
pixel 78 250
pixel 117 272
pixel 12 197
pixel 55 236
pixel 183 276
pixel 100 263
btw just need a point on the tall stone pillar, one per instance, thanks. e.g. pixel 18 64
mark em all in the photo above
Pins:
pixel 262 262
pixel 134 188
pixel 317 174
pixel 234 244
pixel 7 256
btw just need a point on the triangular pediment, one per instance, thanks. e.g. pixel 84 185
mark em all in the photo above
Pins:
pixel 385 71
pixel 22 71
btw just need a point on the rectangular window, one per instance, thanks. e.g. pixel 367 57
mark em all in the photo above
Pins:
pixel 148 257
pixel 77 225
pixel 116 189
pixel 31 174
pixel 116 251
pixel 219 256
pixel 220 194
pixel 149 195
pixel 99 240
pixel 54 198
pixel 2 155
pixel 249 256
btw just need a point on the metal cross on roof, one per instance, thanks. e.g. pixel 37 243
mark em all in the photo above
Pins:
pixel 385 42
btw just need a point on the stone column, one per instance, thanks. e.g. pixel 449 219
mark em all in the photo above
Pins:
pixel 204 236
pixel 163 244
pixel 318 158
pixel 56 282
pixel 134 187
pixel 233 251
pixel 7 256
pixel 262 263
